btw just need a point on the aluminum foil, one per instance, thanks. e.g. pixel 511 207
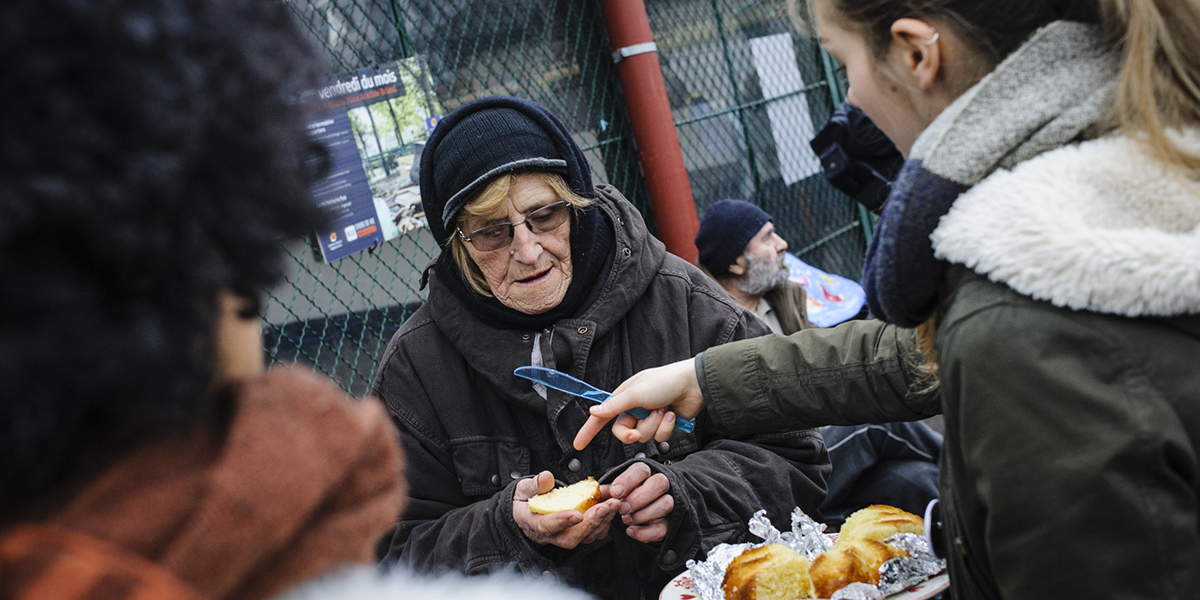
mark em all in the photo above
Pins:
pixel 858 591
pixel 912 543
pixel 806 538
pixel 707 575
pixel 761 526
pixel 903 572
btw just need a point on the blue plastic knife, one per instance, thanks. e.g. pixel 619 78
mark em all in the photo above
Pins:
pixel 566 383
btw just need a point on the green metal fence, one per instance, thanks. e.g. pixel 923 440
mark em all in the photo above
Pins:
pixel 746 92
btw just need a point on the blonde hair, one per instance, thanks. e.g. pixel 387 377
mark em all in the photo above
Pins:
pixel 1160 79
pixel 924 363
pixel 487 202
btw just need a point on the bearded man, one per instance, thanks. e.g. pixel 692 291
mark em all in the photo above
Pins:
pixel 741 251
pixel 886 463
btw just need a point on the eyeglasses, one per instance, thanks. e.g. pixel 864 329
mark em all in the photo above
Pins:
pixel 500 235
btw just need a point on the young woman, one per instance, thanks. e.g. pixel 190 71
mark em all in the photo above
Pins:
pixel 1043 237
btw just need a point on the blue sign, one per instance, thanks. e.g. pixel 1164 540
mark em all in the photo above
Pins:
pixel 344 195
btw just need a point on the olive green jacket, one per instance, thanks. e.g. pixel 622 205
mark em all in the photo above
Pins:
pixel 1070 386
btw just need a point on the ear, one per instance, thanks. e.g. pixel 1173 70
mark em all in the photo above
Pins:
pixel 920 48
pixel 738 267
pixel 237 340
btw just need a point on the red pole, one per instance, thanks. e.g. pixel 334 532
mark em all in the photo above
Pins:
pixel 653 126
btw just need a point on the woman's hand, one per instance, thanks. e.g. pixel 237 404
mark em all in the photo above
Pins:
pixel 565 528
pixel 645 504
pixel 674 385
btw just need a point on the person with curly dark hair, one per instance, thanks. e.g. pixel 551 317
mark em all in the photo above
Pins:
pixel 151 163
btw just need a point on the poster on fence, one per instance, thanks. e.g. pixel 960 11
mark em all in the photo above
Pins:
pixel 374 121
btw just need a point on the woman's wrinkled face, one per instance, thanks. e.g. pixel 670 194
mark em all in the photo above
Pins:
pixel 532 274
pixel 871 89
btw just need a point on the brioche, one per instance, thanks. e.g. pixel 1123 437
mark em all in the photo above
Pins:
pixel 856 560
pixel 775 572
pixel 578 496
pixel 770 572
pixel 878 522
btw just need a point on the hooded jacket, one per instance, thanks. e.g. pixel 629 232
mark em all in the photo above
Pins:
pixel 1062 266
pixel 1068 339
pixel 471 429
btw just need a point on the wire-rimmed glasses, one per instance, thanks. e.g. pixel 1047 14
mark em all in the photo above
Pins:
pixel 500 235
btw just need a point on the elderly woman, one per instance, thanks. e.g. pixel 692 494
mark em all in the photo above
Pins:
pixel 541 268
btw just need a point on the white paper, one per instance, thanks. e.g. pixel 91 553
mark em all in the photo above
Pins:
pixel 791 124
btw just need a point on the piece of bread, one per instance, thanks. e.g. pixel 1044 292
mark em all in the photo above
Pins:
pixel 772 572
pixel 879 522
pixel 578 496
pixel 855 560
pixel 776 572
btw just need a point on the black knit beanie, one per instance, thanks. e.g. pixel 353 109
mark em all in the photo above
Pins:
pixel 486 138
pixel 500 135
pixel 727 226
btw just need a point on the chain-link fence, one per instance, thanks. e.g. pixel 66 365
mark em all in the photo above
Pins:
pixel 746 90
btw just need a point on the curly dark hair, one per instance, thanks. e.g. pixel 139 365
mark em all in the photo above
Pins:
pixel 151 156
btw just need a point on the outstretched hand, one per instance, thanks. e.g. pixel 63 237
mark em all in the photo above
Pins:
pixel 671 386
pixel 565 528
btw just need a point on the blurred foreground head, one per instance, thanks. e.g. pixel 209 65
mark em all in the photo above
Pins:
pixel 150 159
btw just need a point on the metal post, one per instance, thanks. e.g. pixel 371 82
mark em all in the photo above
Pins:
pixel 653 126
pixel 751 155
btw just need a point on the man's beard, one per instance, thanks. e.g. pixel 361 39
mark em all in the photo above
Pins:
pixel 761 275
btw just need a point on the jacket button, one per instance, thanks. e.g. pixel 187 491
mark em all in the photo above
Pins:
pixel 626 251
pixel 574 465
pixel 496 479
pixel 640 455
pixel 962 547
pixel 669 558
pixel 525 337
pixel 515 475
pixel 582 330
pixel 664 447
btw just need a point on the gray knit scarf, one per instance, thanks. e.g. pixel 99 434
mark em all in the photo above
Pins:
pixel 1048 93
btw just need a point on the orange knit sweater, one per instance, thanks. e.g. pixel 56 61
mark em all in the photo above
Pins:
pixel 303 481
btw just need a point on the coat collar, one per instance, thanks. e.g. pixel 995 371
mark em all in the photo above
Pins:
pixel 1101 226
pixel 1052 91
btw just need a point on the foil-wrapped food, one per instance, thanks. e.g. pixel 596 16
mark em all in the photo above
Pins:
pixel 877 553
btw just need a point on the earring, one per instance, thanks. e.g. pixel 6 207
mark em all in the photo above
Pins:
pixel 933 40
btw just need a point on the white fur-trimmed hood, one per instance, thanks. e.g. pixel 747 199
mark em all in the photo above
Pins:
pixel 1099 226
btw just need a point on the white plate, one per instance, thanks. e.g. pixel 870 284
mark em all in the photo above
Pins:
pixel 680 588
